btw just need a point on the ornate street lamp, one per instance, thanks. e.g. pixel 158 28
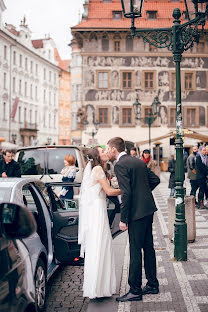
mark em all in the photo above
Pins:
pixel 178 38
pixel 152 115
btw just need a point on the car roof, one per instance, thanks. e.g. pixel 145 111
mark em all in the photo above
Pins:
pixel 48 147
pixel 11 182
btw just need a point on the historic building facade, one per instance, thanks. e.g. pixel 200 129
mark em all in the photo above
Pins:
pixel 29 85
pixel 115 69
pixel 64 110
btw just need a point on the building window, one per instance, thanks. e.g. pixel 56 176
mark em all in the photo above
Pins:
pixel 20 112
pixel 49 97
pixel 172 116
pixel 54 121
pixel 30 116
pixel 127 80
pixel 54 77
pixel 152 15
pixel 117 15
pixel 14 85
pixel 14 58
pixel 103 80
pixel 44 74
pixel 105 43
pixel 36 117
pixel 20 60
pixel 4 111
pixel 126 116
pixel 117 46
pixel 20 87
pixel 201 47
pixel 25 88
pixel 50 75
pixel 49 120
pixel 149 80
pixel 129 43
pixel 25 115
pixel 5 80
pixel 44 96
pixel 36 69
pixel 191 117
pixel 26 63
pixel 189 81
pixel 152 48
pixel 36 92
pixel 54 99
pixel 31 66
pixel 31 91
pixel 5 52
pixel 103 115
pixel 67 113
pixel 172 81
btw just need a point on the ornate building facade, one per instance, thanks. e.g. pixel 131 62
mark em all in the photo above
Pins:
pixel 115 69
pixel 29 85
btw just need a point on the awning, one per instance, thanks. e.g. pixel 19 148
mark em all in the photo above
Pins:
pixel 186 133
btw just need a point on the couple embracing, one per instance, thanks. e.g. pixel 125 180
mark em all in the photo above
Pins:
pixel 137 210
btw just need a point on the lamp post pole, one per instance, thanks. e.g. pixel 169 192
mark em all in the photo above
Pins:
pixel 178 38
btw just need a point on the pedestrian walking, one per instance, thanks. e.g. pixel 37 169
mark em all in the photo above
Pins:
pixel 146 157
pixel 171 169
pixel 9 168
pixel 201 174
pixel 191 168
pixel 137 210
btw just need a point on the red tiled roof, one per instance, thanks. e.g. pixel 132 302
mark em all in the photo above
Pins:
pixel 38 43
pixel 63 64
pixel 100 15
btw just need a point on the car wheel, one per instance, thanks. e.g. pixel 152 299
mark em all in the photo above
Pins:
pixel 40 284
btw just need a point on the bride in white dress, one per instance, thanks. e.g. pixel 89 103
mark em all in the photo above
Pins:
pixel 94 231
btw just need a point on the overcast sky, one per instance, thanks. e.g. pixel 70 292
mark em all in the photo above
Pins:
pixel 54 17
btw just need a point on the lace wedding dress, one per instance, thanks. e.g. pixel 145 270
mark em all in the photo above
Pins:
pixel 95 237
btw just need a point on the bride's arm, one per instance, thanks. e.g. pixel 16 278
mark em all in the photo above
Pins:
pixel 107 189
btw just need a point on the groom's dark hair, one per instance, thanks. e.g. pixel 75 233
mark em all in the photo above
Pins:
pixel 118 143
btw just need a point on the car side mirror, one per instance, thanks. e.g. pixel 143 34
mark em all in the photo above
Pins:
pixel 16 221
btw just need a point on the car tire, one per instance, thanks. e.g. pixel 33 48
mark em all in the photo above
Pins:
pixel 40 284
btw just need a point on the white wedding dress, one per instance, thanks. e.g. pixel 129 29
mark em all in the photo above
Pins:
pixel 95 237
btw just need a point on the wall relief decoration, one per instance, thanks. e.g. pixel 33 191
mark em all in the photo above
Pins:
pixel 163 115
pixel 114 79
pixel 138 79
pixel 90 114
pixel 115 115
pixel 201 79
pixel 163 78
pixel 89 79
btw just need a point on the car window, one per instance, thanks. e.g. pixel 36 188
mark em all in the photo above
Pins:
pixel 31 162
pixel 29 200
pixel 5 194
pixel 56 159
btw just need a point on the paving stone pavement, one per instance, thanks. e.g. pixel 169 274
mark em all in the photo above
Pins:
pixel 183 285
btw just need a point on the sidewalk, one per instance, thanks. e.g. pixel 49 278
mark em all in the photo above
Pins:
pixel 183 285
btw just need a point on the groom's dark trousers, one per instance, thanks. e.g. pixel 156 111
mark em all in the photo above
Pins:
pixel 137 210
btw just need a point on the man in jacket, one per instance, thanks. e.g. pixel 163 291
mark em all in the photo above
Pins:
pixel 201 175
pixel 191 167
pixel 8 166
pixel 137 210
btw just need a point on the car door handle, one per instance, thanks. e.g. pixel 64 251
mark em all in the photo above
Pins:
pixel 71 221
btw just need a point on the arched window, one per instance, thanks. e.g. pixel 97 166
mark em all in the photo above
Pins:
pixel 105 43
pixel 129 43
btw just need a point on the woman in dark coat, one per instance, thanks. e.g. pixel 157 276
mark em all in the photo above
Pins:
pixel 171 169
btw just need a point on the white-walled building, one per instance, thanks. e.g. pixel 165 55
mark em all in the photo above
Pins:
pixel 29 82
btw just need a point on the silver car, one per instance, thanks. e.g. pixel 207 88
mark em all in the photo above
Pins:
pixel 55 241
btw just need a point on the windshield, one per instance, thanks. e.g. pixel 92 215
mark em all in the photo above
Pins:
pixel 56 159
pixel 31 162
pixel 5 194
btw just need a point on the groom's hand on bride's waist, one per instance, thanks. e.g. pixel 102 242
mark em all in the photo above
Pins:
pixel 123 226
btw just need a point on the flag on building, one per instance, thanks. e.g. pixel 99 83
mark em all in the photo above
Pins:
pixel 14 107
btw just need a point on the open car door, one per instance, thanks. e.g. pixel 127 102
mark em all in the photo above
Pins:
pixel 65 223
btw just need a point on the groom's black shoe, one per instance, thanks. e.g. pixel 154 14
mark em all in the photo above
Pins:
pixel 150 290
pixel 129 297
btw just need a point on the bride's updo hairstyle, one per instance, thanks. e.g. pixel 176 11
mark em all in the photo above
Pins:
pixel 94 156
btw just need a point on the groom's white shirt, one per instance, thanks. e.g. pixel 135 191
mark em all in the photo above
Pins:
pixel 119 156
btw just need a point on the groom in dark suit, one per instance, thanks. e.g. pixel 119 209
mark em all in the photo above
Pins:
pixel 137 210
